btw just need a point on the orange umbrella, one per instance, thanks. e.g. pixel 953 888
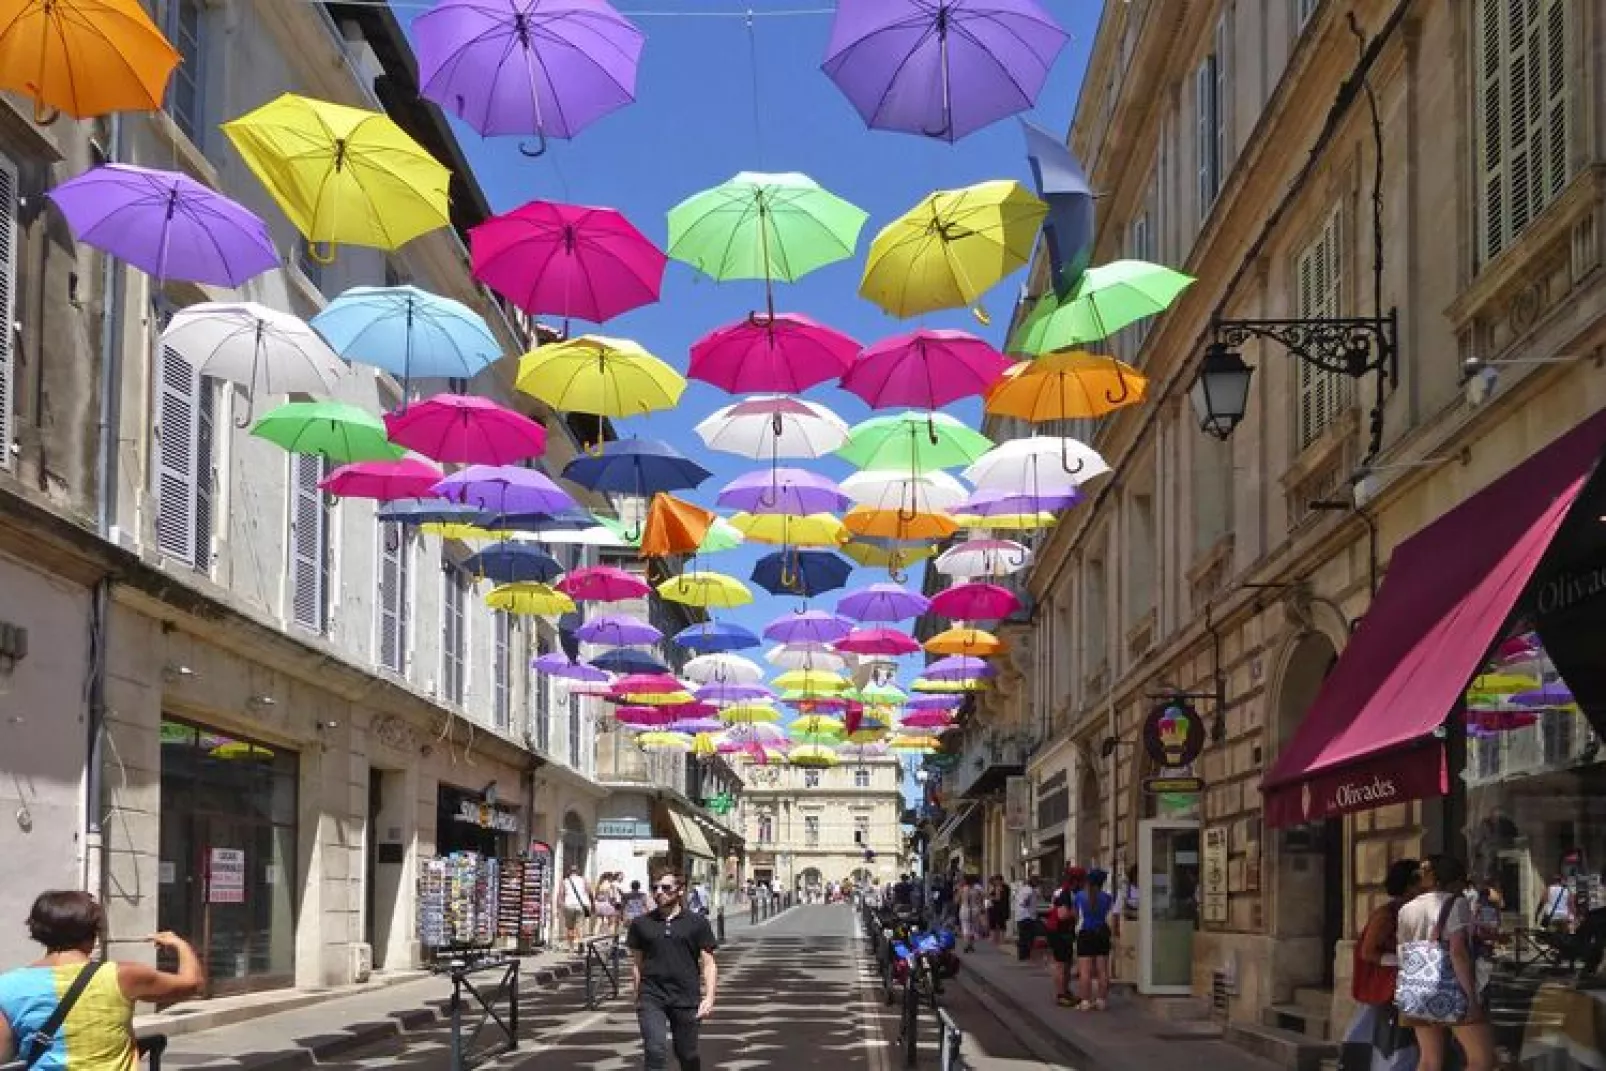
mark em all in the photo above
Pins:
pixel 674 527
pixel 84 57
pixel 966 641
pixel 896 524
pixel 1066 385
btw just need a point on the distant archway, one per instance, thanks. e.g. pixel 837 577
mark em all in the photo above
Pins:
pixel 861 876
pixel 812 876
pixel 1089 818
pixel 574 841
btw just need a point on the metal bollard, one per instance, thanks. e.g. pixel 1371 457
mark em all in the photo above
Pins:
pixel 752 912
pixel 719 923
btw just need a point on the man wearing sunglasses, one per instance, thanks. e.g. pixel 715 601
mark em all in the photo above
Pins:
pixel 672 966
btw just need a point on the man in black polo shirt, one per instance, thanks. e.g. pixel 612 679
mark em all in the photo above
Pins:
pixel 672 965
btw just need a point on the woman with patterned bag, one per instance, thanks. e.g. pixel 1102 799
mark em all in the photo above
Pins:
pixel 1437 987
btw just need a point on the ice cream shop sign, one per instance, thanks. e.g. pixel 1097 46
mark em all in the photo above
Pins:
pixel 1173 737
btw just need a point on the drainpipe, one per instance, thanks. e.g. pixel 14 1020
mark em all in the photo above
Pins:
pixel 94 869
pixel 111 324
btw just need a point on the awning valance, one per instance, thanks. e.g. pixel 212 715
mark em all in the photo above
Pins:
pixel 691 838
pixel 1369 739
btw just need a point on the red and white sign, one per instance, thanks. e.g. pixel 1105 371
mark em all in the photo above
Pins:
pixel 225 876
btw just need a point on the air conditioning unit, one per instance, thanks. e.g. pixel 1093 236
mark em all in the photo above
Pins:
pixel 362 962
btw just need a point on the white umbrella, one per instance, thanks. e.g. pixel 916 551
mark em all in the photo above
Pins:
pixel 724 668
pixel 928 492
pixel 769 426
pixel 756 732
pixel 984 557
pixel 806 655
pixel 1038 465
pixel 258 347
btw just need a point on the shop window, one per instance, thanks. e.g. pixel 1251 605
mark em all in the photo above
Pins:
pixel 811 830
pixel 861 778
pixel 454 633
pixel 395 597
pixel 186 28
pixel 8 275
pixel 309 544
pixel 1323 394
pixel 502 670
pixel 186 407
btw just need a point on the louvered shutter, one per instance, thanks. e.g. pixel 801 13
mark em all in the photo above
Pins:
pixel 1319 294
pixel 541 715
pixel 178 405
pixel 392 604
pixel 205 469
pixel 502 670
pixel 1221 104
pixel 453 639
pixel 8 275
pixel 574 731
pixel 309 541
pixel 1204 138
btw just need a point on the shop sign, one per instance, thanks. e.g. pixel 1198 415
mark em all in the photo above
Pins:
pixel 650 846
pixel 623 829
pixel 225 876
pixel 487 817
pixel 1162 786
pixel 1017 803
pixel 1215 874
pixel 1173 734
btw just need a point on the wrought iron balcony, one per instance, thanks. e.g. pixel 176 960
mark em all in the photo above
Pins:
pixel 988 758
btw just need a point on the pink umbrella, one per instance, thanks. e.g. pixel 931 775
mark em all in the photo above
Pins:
pixel 463 428
pixel 567 260
pixel 926 369
pixel 927 719
pixel 975 602
pixel 644 717
pixel 383 481
pixel 603 583
pixel 647 684
pixel 877 641
pixel 786 353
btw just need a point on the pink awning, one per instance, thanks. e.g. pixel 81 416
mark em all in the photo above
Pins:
pixel 1368 740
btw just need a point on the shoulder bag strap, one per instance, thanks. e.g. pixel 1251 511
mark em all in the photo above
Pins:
pixel 39 1043
pixel 1437 936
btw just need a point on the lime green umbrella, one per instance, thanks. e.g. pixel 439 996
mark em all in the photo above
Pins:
pixel 885 695
pixel 340 432
pixel 722 535
pixel 914 442
pixel 1108 298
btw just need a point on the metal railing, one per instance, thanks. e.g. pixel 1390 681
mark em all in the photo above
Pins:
pixel 499 991
pixel 949 1040
pixel 602 956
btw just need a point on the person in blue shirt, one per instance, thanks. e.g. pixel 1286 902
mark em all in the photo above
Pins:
pixel 1096 926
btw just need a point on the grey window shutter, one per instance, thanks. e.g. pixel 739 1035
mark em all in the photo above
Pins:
pixel 8 275
pixel 308 543
pixel 392 596
pixel 177 449
pixel 205 469
pixel 502 670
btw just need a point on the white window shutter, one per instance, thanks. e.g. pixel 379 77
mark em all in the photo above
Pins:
pixel 178 405
pixel 205 470
pixel 8 298
pixel 392 604
pixel 1221 99
pixel 502 669
pixel 1204 137
pixel 309 542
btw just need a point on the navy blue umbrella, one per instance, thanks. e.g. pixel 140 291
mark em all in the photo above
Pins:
pixel 430 511
pixel 801 572
pixel 623 660
pixel 571 520
pixel 1062 184
pixel 508 563
pixel 568 625
pixel 640 467
pixel 713 637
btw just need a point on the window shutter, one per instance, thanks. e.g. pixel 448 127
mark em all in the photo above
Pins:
pixel 501 669
pixel 574 731
pixel 309 543
pixel 205 470
pixel 392 604
pixel 1204 138
pixel 8 275
pixel 1319 294
pixel 454 640
pixel 1221 104
pixel 178 408
pixel 542 714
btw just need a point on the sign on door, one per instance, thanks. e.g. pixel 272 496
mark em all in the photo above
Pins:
pixel 225 876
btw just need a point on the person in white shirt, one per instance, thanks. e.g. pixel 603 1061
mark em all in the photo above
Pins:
pixel 575 902
pixel 1443 883
pixel 1556 910
pixel 1025 917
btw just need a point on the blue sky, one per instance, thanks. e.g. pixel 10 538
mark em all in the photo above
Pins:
pixel 693 126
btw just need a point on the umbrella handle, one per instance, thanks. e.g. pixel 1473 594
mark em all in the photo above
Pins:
pixel 1065 461
pixel 325 258
pixel 1120 377
pixel 538 151
pixel 594 449
pixel 44 116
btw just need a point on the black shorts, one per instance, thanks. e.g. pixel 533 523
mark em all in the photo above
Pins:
pixel 1093 943
pixel 1063 947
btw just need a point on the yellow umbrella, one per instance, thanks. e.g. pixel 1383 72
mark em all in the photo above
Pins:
pixel 813 755
pixel 83 57
pixel 1066 385
pixel 657 699
pixel 1008 522
pixel 707 590
pixel 344 176
pixel 463 533
pixel 952 248
pixel 896 524
pixel 812 680
pixel 947 687
pixel 815 530
pixel 816 725
pixel 922 742
pixel 600 376
pixel 966 641
pixel 658 741
pixel 705 745
pixel 877 556
pixel 750 714
pixel 527 597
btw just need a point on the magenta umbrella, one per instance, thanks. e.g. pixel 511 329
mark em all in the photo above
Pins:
pixel 466 429
pixel 877 641
pixel 927 719
pixel 644 717
pixel 786 353
pixel 567 260
pixel 975 602
pixel 603 583
pixel 882 602
pixel 926 369
pixel 505 489
pixel 784 490
pixel 382 481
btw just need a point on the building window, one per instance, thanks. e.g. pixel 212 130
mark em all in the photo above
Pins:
pixel 1211 94
pixel 395 596
pixel 308 265
pixel 861 829
pixel 811 779
pixel 1303 10
pixel 766 828
pixel 1522 122
pixel 8 275
pixel 1140 561
pixel 186 406
pixel 502 671
pixel 541 715
pixel 811 830
pixel 309 544
pixel 186 29
pixel 861 778
pixel 1097 622
pixel 454 633
pixel 574 731
pixel 1319 294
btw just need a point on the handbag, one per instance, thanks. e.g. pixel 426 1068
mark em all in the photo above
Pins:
pixel 33 1047
pixel 1427 987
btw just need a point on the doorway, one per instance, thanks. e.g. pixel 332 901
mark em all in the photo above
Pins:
pixel 1168 905
pixel 386 859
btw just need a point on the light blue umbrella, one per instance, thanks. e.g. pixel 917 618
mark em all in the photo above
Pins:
pixel 408 332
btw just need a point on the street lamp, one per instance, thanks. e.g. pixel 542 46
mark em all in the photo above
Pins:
pixel 1220 394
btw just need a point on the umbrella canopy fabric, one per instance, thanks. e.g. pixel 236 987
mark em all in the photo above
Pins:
pixel 781 529
pixel 723 668
pixel 877 641
pixel 262 349
pixel 1106 299
pixel 1037 464
pixel 1067 385
pixel 986 504
pixel 461 428
pixel 674 526
pixel 926 369
pixel 882 602
pixel 639 467
pixel 706 590
pixel 952 248
pixel 408 332
pixel 959 668
pixel 343 175
pixel 340 432
pixel 428 511
pixel 975 602
pixel 604 583
pixel 716 637
pixel 783 490
pixel 600 376
pixel 891 489
pixel 166 224
pixel 782 352
pixel 800 572
pixel 505 489
pixel 806 654
pixel 618 630
pixel 382 481
pixel 567 260
pixel 815 626
pixel 966 641
pixel 984 557
pixel 529 600
pixel 731 692
pixel 914 442
pixel 941 70
pixel 898 524
pixel 1062 183
pixel 873 552
pixel 557 664
pixel 772 426
pixel 628 661
pixel 539 67
pixel 764 226
pixel 508 563
pixel 86 58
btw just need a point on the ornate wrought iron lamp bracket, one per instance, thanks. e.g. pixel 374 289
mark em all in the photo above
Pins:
pixel 1351 346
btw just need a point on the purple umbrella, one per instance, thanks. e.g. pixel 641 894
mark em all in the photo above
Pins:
pixel 505 489
pixel 557 664
pixel 1006 503
pixel 882 602
pixel 697 725
pixel 810 626
pixel 795 492
pixel 934 702
pixel 1555 694
pixel 958 668
pixel 724 692
pixel 942 68
pixel 618 630
pixel 546 68
pixel 166 224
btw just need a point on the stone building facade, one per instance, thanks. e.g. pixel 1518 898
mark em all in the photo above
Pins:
pixel 806 827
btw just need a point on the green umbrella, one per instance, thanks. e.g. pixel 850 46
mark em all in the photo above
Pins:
pixel 916 442
pixel 722 535
pixel 763 226
pixel 622 530
pixel 340 432
pixel 884 695
pixel 1108 298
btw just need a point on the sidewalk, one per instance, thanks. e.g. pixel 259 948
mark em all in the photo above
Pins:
pixel 1124 1038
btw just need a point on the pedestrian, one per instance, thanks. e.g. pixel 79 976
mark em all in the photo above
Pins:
pixel 70 1012
pixel 1061 925
pixel 997 909
pixel 672 967
pixel 604 895
pixel 1438 922
pixel 972 911
pixel 1096 926
pixel 574 900
pixel 1025 917
pixel 1375 1041
pixel 635 903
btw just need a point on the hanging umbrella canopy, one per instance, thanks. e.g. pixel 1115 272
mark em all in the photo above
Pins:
pixel 884 695
pixel 781 352
pixel 340 432
pixel 927 369
pixel 763 226
pixel 975 602
pixel 941 70
pixel 529 599
pixel 1006 503
pixel 715 637
pixel 984 557
pixel 626 661
pixel 644 717
pixel 647 684
pixel 749 714
pixel 382 481
pixel 1067 232
pixel 914 442
pixel 706 590
pixel 343 175
pixel 926 719
pixel 674 527
pixel 882 642
pixel 504 489
pixel 725 668
pixel 557 664
pixel 663 741
pixel 915 744
pixel 798 492
pixel 600 376
pixel 460 532
pixel 1038 464
pixel 461 428
pixel 966 641
pixel 807 654
pixel 262 349
pixel 780 529
pixel 1106 299
pixel 959 668
pixel 567 260
pixel 408 332
pixel 729 692
pixel 722 535
pixel 428 511
pixel 882 602
pixel 639 467
pixel 891 489
pixel 935 702
pixel 1066 385
pixel 604 583
pixel 1007 522
pixel 896 524
pixel 805 573
pixel 86 58
pixel 951 249
pixel 508 563
pixel 877 553
pixel 815 626
pixel 618 630
pixel 814 725
pixel 774 426
pixel 166 224
pixel 813 756
pixel 544 68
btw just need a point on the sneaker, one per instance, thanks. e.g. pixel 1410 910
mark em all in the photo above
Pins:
pixel 1099 1005
pixel 1085 1006
pixel 1067 1001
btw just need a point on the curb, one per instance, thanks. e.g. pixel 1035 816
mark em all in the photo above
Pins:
pixel 1038 1035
